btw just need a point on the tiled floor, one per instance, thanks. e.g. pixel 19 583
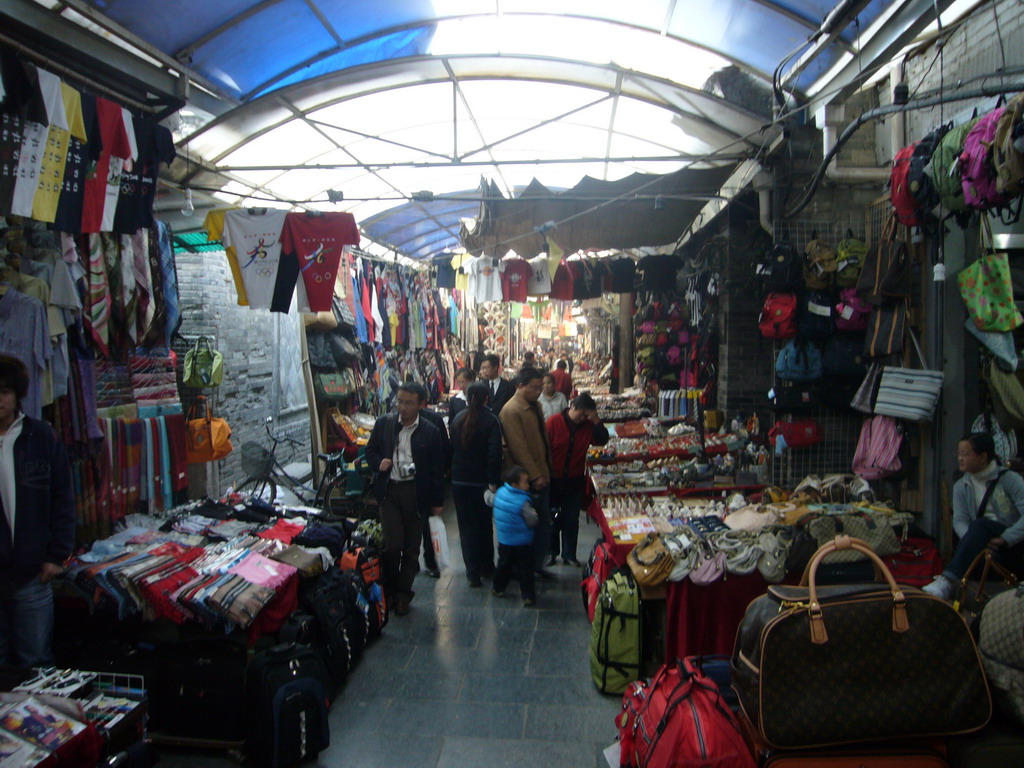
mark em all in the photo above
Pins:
pixel 468 679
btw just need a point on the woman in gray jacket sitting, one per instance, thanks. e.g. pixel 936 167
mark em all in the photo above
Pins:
pixel 988 510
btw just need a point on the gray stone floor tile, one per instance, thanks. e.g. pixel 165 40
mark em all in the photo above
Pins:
pixel 574 620
pixel 378 749
pixel 573 723
pixel 494 753
pixel 484 660
pixel 515 689
pixel 423 718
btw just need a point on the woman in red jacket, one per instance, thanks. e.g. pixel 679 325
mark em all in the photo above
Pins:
pixel 570 434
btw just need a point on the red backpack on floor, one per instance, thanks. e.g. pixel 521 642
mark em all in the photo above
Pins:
pixel 364 560
pixel 679 718
pixel 599 568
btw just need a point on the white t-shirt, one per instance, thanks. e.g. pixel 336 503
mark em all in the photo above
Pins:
pixel 540 277
pixel 256 238
pixel 484 278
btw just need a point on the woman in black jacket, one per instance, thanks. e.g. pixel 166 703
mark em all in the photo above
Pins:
pixel 476 466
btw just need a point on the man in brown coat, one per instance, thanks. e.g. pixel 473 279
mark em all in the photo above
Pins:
pixel 526 445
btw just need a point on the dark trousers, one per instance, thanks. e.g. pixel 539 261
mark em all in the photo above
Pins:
pixel 401 522
pixel 517 562
pixel 428 545
pixel 978 535
pixel 476 530
pixel 542 533
pixel 566 500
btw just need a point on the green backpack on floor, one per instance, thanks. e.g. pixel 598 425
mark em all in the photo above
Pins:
pixel 615 634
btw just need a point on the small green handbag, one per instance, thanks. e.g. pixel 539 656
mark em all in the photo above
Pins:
pixel 987 290
pixel 204 366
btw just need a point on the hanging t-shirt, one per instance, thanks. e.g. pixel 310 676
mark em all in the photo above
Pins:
pixel 515 278
pixel 118 167
pixel 540 276
pixel 484 278
pixel 115 147
pixel 659 270
pixel 588 279
pixel 459 262
pixel 313 242
pixel 256 235
pixel 562 284
pixel 55 156
pixel 138 183
pixel 445 277
pixel 11 130
pixel 214 226
pixel 81 156
pixel 622 274
pixel 33 138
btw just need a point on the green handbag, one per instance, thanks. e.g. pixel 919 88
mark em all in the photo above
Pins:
pixel 204 366
pixel 987 290
pixel 334 386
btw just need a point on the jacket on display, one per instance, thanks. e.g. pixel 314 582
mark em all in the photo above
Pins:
pixel 427 454
pixel 44 523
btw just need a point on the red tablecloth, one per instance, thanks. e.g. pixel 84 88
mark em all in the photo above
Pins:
pixel 702 620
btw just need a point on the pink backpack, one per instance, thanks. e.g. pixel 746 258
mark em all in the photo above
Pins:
pixel 977 172
pixel 878 448
pixel 852 312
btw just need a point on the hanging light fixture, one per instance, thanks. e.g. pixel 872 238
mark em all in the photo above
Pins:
pixel 188 208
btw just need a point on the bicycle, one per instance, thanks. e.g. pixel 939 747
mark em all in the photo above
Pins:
pixel 265 475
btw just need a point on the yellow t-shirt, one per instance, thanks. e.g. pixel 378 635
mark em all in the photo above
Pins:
pixel 461 276
pixel 214 226
pixel 51 174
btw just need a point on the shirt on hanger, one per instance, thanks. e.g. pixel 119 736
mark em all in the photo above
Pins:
pixel 26 337
pixel 115 147
pixel 81 154
pixel 445 272
pixel 312 243
pixel 622 275
pixel 138 183
pixel 515 277
pixel 55 156
pixel 540 276
pixel 659 270
pixel 485 278
pixel 562 284
pixel 214 226
pixel 459 262
pixel 256 235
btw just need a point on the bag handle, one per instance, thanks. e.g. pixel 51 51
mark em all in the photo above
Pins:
pixel 985 561
pixel 192 410
pixel 900 622
pixel 917 347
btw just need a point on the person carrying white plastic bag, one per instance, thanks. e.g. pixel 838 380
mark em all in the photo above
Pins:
pixel 439 541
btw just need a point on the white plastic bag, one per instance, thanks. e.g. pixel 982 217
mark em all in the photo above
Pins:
pixel 439 541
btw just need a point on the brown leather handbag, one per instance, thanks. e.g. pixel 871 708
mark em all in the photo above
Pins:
pixel 650 561
pixel 972 595
pixel 820 666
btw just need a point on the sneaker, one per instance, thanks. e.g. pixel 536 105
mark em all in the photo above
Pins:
pixel 550 561
pixel 496 593
pixel 529 602
pixel 943 588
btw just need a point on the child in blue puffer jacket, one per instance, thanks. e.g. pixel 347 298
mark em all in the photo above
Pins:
pixel 514 519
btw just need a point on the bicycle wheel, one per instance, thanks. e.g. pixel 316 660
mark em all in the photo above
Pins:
pixel 335 501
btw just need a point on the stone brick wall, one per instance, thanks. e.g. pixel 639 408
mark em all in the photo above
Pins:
pixel 261 367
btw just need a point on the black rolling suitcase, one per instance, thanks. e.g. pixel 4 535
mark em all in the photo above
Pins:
pixel 286 706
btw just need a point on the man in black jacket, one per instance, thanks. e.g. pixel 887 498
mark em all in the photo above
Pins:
pixel 501 389
pixel 37 523
pixel 407 455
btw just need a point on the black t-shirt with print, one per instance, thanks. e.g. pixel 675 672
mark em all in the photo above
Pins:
pixel 659 270
pixel 81 157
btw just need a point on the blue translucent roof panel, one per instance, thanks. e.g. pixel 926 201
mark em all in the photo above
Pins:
pixel 160 23
pixel 408 42
pixel 266 44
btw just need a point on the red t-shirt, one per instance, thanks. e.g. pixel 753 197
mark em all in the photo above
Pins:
pixel 561 285
pixel 563 381
pixel 514 279
pixel 114 138
pixel 314 243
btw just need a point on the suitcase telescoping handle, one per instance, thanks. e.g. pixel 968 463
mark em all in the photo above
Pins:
pixel 819 636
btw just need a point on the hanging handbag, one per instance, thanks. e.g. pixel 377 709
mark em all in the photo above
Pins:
pixel 334 386
pixel 204 366
pixel 650 562
pixel 207 438
pixel 896 663
pixel 1001 345
pixel 885 330
pixel 886 273
pixel 986 288
pixel 1007 396
pixel 909 393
